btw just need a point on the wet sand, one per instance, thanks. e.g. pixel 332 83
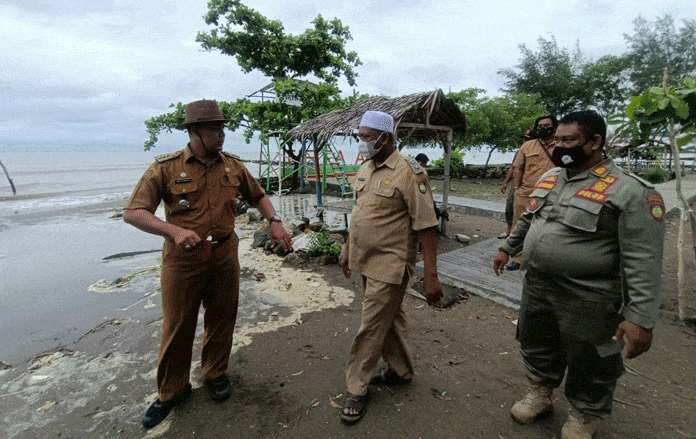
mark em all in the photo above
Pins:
pixel 288 367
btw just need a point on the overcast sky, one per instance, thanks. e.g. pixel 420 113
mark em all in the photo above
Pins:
pixel 86 74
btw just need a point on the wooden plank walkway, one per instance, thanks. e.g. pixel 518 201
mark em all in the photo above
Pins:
pixel 471 268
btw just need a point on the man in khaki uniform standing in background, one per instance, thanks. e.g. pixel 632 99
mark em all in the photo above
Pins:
pixel 531 161
pixel 199 186
pixel 392 213
pixel 593 237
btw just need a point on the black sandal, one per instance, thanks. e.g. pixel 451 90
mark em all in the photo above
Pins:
pixel 388 377
pixel 359 403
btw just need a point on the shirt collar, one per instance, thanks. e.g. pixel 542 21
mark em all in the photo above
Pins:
pixel 391 161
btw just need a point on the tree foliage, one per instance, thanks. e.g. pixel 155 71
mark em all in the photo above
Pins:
pixel 552 73
pixel 258 43
pixel 499 122
pixel 659 44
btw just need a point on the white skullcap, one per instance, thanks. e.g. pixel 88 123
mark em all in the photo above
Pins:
pixel 378 120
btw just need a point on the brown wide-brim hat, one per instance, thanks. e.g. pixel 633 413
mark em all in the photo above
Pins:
pixel 202 112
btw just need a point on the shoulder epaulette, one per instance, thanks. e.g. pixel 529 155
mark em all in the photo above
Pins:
pixel 643 182
pixel 229 154
pixel 417 168
pixel 165 157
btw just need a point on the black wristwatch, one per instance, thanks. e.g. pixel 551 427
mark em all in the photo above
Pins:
pixel 275 218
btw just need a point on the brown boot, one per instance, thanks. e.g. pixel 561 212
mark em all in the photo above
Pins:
pixel 579 425
pixel 535 404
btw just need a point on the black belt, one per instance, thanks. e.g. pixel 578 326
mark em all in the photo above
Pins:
pixel 219 240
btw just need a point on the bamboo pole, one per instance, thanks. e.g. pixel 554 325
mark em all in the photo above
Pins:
pixel 14 191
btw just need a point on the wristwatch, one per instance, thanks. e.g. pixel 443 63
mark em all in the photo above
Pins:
pixel 275 218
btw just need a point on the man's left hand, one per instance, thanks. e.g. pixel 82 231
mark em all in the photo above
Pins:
pixel 279 233
pixel 637 338
pixel 433 289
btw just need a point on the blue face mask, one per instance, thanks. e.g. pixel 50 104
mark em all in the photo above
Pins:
pixel 367 149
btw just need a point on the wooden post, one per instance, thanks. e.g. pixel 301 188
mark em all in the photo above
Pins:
pixel 14 191
pixel 446 178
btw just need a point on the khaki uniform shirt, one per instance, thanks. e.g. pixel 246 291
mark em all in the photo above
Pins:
pixel 601 233
pixel 196 197
pixel 393 202
pixel 533 162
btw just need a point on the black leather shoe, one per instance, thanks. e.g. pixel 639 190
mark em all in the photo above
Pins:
pixel 220 388
pixel 512 266
pixel 159 410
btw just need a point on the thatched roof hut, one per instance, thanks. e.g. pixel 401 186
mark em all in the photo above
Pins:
pixel 426 117
pixel 420 116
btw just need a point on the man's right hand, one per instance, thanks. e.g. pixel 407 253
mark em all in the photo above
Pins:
pixel 499 262
pixel 186 239
pixel 504 188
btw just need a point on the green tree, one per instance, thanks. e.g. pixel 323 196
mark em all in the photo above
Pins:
pixel 552 73
pixel 669 112
pixel 496 123
pixel 261 44
pixel 659 44
pixel 605 84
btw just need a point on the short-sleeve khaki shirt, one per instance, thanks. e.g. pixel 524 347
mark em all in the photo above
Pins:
pixel 393 202
pixel 196 197
pixel 534 162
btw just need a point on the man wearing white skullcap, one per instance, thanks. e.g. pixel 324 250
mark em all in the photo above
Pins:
pixel 393 212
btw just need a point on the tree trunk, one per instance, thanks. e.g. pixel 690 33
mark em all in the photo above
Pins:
pixel 488 159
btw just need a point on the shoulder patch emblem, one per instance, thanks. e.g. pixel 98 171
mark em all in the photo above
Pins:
pixel 417 168
pixel 602 184
pixel 422 188
pixel 229 154
pixel 547 183
pixel 590 195
pixel 657 208
pixel 164 157
pixel 533 204
pixel 601 171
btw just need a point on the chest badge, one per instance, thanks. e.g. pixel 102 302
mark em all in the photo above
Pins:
pixel 422 188
pixel 387 181
pixel 183 175
pixel 590 195
pixel 601 170
pixel 602 184
pixel 184 204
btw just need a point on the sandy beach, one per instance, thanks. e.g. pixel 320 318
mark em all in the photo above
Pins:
pixel 294 329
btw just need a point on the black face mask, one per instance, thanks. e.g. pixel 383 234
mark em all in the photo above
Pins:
pixel 546 132
pixel 569 157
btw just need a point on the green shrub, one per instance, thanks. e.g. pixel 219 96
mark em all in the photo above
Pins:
pixel 657 175
pixel 322 245
pixel 456 164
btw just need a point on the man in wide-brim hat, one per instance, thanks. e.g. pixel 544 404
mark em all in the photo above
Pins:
pixel 200 265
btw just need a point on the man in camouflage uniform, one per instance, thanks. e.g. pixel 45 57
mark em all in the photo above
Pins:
pixel 393 212
pixel 592 237
pixel 199 186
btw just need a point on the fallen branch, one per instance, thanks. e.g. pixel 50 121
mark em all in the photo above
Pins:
pixel 629 403
pixel 631 370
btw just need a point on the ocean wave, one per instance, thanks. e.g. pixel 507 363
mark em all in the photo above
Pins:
pixel 52 201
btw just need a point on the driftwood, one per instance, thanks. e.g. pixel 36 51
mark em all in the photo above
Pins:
pixel 14 191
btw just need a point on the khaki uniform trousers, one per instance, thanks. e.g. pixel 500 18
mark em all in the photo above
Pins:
pixel 382 332
pixel 187 282
pixel 520 206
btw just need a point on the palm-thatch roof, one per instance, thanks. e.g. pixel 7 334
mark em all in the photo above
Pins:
pixel 419 116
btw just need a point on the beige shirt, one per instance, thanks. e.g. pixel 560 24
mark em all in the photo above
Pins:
pixel 393 202
pixel 196 197
pixel 533 162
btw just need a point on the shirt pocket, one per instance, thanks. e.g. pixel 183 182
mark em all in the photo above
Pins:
pixel 229 190
pixel 582 214
pixel 183 196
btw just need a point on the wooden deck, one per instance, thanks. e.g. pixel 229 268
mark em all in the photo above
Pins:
pixel 471 268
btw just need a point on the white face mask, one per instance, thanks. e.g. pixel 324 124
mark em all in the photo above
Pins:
pixel 367 149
